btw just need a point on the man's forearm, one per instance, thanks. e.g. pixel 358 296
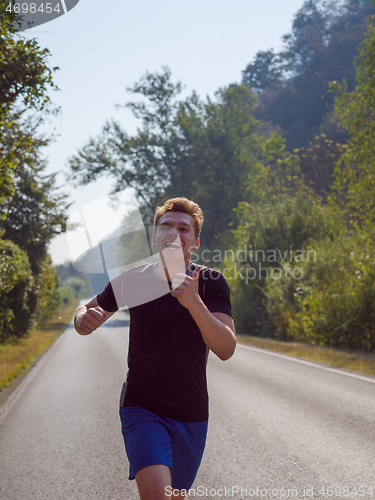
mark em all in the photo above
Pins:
pixel 218 337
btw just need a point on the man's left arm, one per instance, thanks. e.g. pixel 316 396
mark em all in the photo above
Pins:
pixel 217 328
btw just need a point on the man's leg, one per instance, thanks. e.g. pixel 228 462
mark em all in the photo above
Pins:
pixel 152 482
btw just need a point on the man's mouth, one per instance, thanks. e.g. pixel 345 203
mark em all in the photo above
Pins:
pixel 172 245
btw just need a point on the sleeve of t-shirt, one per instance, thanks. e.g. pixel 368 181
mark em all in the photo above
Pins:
pixel 107 300
pixel 112 297
pixel 215 292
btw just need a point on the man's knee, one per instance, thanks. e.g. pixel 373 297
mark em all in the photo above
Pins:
pixel 153 481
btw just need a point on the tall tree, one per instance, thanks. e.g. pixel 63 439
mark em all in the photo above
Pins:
pixel 25 78
pixel 33 215
pixel 266 70
pixel 317 163
pixel 310 34
pixel 320 48
pixel 202 150
pixel 141 162
pixel 31 212
pixel 354 189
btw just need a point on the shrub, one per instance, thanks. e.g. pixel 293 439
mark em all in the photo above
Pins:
pixel 334 302
pixel 16 284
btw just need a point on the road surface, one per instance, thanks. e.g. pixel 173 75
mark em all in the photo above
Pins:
pixel 278 428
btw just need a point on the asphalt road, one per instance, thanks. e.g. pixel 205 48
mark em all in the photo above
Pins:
pixel 276 424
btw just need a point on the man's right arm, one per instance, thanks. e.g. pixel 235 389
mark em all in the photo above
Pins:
pixel 89 317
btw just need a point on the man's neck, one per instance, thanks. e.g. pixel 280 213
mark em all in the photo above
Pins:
pixel 169 270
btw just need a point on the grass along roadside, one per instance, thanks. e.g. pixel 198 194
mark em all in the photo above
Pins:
pixel 17 357
pixel 355 361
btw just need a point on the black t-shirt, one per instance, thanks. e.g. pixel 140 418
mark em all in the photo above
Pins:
pixel 167 355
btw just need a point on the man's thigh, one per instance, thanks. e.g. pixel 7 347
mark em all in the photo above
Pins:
pixel 147 440
pixel 151 440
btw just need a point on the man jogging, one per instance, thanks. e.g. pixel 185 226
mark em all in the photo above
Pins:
pixel 178 312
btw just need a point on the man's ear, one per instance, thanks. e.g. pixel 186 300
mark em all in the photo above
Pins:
pixel 196 246
pixel 153 241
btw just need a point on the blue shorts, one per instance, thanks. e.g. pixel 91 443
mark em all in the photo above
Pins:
pixel 151 440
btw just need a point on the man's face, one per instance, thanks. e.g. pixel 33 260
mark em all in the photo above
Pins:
pixel 175 236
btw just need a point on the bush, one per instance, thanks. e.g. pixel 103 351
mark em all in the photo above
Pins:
pixel 273 235
pixel 334 303
pixel 46 291
pixel 72 288
pixel 16 285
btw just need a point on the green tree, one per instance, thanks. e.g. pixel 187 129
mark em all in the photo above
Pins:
pixel 269 238
pixel 333 303
pixel 34 214
pixel 266 70
pixel 25 78
pixel 279 173
pixel 141 162
pixel 317 163
pixel 220 151
pixel 310 34
pixel 66 271
pixel 354 189
pixel 201 150
pixel 16 284
pixel 320 48
pixel 31 212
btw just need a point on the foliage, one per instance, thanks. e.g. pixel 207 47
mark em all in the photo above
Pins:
pixel 354 188
pixel 334 302
pixel 45 293
pixel 72 288
pixel 317 163
pixel 266 70
pixel 66 271
pixel 141 162
pixel 310 34
pixel 25 79
pixel 278 172
pixel 31 212
pixel 272 237
pixel 26 298
pixel 220 151
pixel 35 213
pixel 201 150
pixel 16 283
pixel 23 65
pixel 72 284
pixel 320 48
pixel 329 298
pixel 78 286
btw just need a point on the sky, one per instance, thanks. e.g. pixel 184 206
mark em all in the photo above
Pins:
pixel 103 48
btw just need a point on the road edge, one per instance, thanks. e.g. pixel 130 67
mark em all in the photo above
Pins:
pixel 24 379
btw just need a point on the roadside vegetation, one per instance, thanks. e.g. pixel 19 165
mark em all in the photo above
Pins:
pixel 359 362
pixel 16 357
pixel 18 354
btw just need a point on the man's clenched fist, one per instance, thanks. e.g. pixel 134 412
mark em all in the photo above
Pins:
pixel 88 320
